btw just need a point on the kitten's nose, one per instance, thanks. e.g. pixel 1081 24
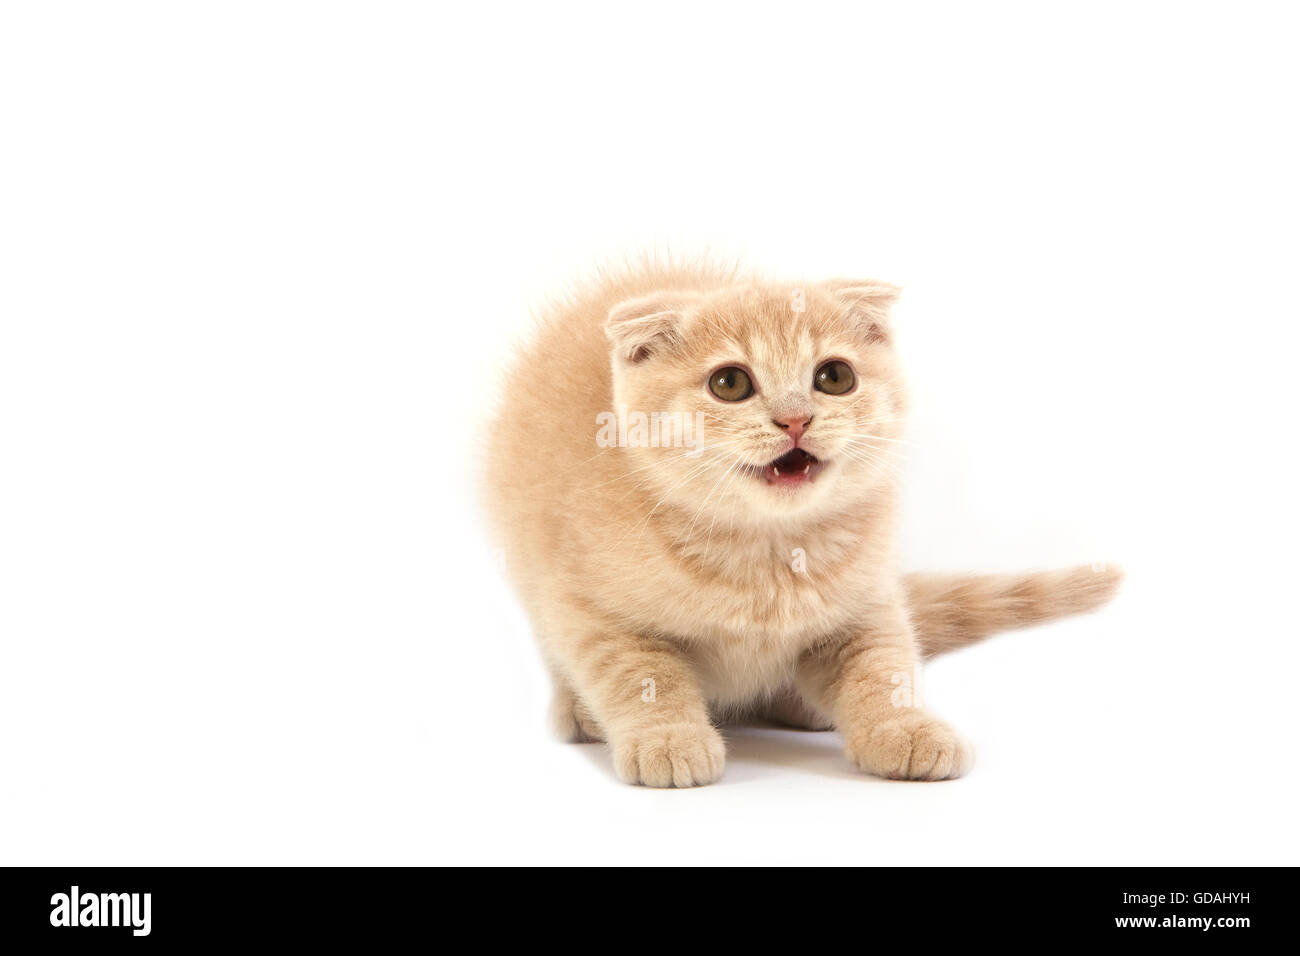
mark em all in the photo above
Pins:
pixel 795 425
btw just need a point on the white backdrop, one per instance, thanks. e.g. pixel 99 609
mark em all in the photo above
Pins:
pixel 259 263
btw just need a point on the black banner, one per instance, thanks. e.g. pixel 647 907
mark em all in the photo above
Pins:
pixel 141 907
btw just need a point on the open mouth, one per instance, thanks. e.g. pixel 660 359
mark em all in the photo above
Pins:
pixel 794 467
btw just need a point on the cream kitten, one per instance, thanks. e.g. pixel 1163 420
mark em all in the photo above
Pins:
pixel 697 503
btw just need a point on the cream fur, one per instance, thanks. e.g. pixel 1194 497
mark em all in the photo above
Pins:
pixel 671 591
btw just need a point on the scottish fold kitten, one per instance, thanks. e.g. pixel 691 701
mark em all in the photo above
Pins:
pixel 695 489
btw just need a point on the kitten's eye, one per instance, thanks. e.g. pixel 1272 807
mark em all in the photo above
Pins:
pixel 834 378
pixel 731 384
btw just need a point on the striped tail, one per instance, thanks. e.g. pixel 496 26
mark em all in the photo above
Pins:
pixel 952 611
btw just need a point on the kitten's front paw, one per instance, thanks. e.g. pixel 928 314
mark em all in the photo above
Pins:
pixel 675 755
pixel 910 746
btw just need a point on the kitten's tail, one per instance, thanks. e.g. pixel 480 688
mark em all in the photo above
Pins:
pixel 951 611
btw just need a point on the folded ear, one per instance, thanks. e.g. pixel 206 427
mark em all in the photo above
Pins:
pixel 868 301
pixel 648 324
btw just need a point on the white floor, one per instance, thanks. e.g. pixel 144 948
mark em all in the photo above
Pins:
pixel 1097 743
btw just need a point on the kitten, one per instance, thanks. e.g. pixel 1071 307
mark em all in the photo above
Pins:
pixel 696 495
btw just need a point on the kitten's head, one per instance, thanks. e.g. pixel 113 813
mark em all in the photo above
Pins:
pixel 797 390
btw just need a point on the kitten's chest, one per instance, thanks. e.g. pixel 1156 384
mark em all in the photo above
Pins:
pixel 746 638
pixel 772 595
pixel 746 607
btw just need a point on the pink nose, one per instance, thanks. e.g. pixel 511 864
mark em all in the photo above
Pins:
pixel 795 425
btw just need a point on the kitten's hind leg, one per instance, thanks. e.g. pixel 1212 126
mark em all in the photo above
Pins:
pixel 570 719
pixel 791 709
